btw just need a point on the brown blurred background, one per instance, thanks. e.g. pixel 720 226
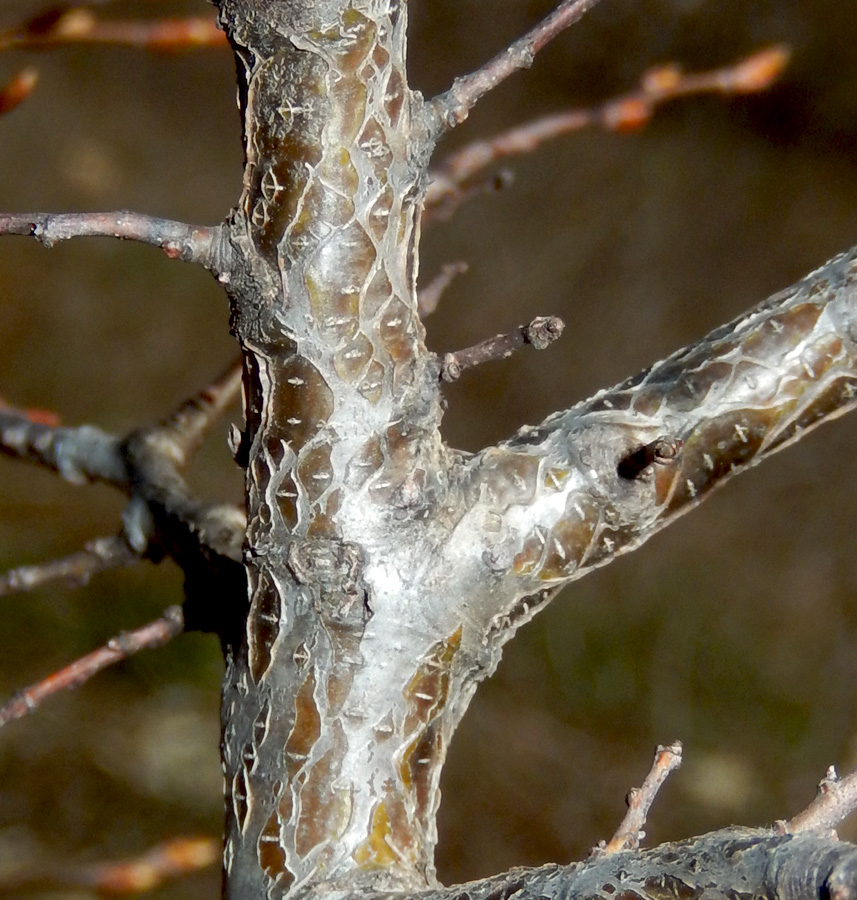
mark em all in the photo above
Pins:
pixel 735 631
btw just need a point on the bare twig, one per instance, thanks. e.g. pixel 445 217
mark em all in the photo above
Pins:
pixel 184 430
pixel 835 799
pixel 62 25
pixel 540 333
pixel 630 831
pixel 77 454
pixel 97 556
pixel 451 108
pixel 155 634
pixel 191 243
pixel 429 296
pixel 171 859
pixel 18 89
pixel 451 183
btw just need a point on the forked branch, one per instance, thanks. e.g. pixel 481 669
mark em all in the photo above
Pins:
pixel 454 180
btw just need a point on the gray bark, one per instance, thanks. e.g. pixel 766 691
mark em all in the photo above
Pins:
pixel 385 570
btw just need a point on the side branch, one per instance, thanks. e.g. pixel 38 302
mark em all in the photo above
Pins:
pixel 454 180
pixel 836 798
pixel 600 479
pixel 723 865
pixel 155 634
pixel 539 334
pixel 77 568
pixel 77 454
pixel 190 243
pixel 451 108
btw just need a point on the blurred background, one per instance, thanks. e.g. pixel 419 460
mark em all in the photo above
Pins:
pixel 734 631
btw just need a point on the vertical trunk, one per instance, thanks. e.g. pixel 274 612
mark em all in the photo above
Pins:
pixel 326 708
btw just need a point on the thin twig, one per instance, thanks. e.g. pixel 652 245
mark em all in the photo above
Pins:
pixel 184 430
pixel 97 556
pixel 171 859
pixel 630 831
pixel 429 296
pixel 155 634
pixel 77 454
pixel 540 333
pixel 61 25
pixel 451 108
pixel 451 183
pixel 835 799
pixel 190 243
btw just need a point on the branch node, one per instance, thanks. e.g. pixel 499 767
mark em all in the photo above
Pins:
pixel 539 334
pixel 659 452
pixel 543 331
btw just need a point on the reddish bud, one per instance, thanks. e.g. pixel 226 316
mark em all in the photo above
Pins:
pixel 629 114
pixel 17 90
pixel 662 79
pixel 759 71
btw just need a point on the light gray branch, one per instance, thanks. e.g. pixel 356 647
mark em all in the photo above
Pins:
pixel 730 864
pixel 190 243
pixel 78 454
pixel 567 493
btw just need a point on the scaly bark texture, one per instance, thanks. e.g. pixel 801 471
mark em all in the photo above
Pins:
pixel 384 570
pixel 333 705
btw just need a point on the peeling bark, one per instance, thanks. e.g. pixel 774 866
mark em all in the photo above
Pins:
pixel 385 571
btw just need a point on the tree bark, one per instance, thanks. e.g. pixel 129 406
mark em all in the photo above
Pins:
pixel 385 571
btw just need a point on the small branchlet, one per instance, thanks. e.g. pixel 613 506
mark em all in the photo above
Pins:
pixel 539 334
pixel 155 634
pixel 459 177
pixel 835 799
pixel 452 108
pixel 63 24
pixel 630 831
pixel 170 859
pixel 429 296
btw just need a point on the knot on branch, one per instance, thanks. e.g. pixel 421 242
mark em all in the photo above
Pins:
pixel 657 452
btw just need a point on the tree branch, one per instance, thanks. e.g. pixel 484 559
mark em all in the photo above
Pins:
pixel 429 296
pixel 97 556
pixel 836 798
pixel 171 859
pixel 63 25
pixel 630 831
pixel 184 430
pixel 539 334
pixel 452 181
pixel 730 864
pixel 190 243
pixel 451 108
pixel 751 387
pixel 78 454
pixel 155 634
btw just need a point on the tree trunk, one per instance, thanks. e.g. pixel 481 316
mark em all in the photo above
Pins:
pixel 384 570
